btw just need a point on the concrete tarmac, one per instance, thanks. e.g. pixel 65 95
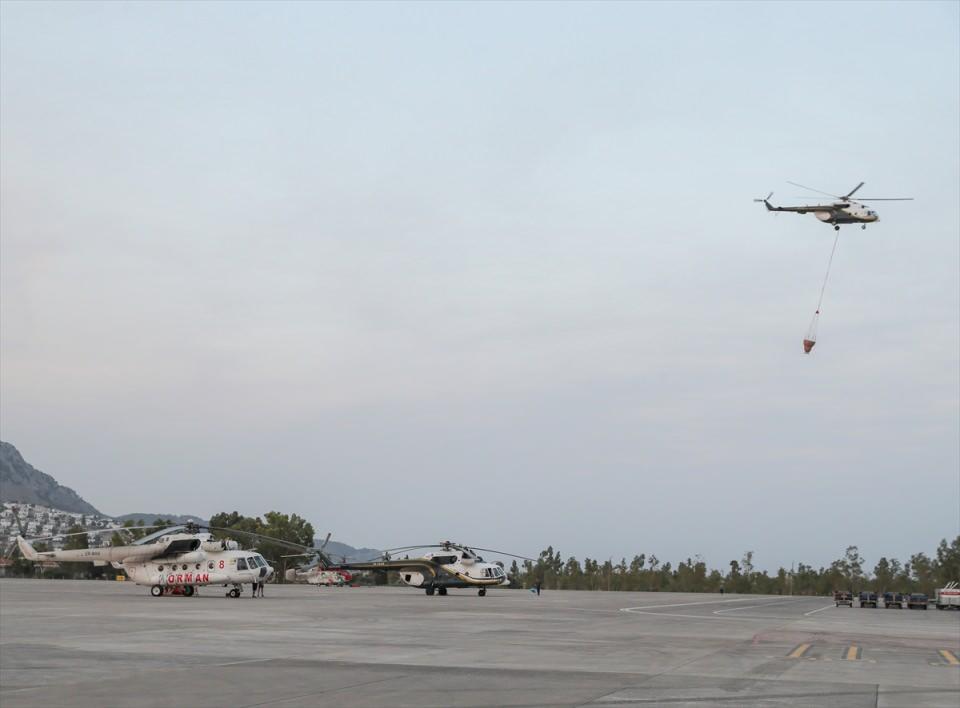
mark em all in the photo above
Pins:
pixel 76 643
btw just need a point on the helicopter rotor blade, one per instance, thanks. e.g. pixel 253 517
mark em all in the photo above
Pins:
pixel 325 542
pixel 112 529
pixel 500 553
pixel 413 548
pixel 884 199
pixel 851 192
pixel 269 539
pixel 819 191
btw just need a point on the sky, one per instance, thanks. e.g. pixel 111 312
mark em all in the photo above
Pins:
pixel 489 272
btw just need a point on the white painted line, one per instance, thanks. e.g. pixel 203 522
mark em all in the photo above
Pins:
pixel 813 612
pixel 750 607
pixel 637 611
pixel 682 604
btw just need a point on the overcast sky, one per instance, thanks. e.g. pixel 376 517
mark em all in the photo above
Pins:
pixel 489 272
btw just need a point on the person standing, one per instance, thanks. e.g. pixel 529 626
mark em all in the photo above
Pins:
pixel 260 588
pixel 538 588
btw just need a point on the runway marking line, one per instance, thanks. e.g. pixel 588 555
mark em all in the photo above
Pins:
pixel 798 651
pixel 750 607
pixel 950 657
pixel 813 612
pixel 853 653
pixel 683 604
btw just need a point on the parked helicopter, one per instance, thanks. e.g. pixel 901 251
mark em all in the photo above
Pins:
pixel 453 566
pixel 173 559
pixel 319 570
pixel 843 211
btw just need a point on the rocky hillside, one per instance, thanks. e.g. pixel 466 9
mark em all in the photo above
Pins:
pixel 22 482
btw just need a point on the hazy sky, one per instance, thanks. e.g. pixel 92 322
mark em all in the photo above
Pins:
pixel 489 272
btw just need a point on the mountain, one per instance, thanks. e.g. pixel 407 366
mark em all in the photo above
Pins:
pixel 336 550
pixel 150 518
pixel 22 482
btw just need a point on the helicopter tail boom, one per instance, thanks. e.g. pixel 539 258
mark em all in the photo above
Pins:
pixel 26 550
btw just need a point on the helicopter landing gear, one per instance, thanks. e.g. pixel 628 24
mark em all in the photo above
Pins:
pixel 156 591
pixel 430 590
pixel 235 592
pixel 482 592
pixel 188 590
pixel 441 591
pixel 836 227
pixel 863 226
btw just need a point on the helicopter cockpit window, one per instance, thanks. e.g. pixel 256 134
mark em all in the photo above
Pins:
pixel 241 564
pixel 252 563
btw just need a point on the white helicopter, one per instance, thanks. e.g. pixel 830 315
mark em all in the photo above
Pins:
pixel 319 570
pixel 453 566
pixel 843 211
pixel 174 560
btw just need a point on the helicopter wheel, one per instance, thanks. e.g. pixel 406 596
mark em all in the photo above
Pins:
pixel 442 591
pixel 864 227
pixel 188 590
pixel 234 593
pixel 482 592
pixel 430 590
pixel 156 591
pixel 836 227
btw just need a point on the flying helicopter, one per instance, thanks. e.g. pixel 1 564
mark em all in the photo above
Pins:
pixel 319 570
pixel 174 559
pixel 845 210
pixel 454 565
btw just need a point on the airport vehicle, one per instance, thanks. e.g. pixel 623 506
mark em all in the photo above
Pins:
pixel 177 557
pixel 454 565
pixel 843 597
pixel 917 601
pixel 948 597
pixel 844 210
pixel 893 599
pixel 868 599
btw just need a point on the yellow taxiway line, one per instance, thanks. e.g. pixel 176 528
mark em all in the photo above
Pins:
pixel 799 651
pixel 853 653
pixel 950 657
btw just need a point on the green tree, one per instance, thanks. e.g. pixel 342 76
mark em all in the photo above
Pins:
pixel 883 575
pixel 923 572
pixel 854 567
pixel 948 562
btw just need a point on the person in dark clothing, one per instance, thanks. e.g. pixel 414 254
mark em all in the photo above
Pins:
pixel 538 588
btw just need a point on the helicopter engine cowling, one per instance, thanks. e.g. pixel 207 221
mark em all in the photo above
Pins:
pixel 217 546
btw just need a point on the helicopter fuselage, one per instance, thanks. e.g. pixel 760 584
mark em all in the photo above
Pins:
pixel 176 560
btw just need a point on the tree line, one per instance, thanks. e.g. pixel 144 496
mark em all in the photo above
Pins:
pixel 921 573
